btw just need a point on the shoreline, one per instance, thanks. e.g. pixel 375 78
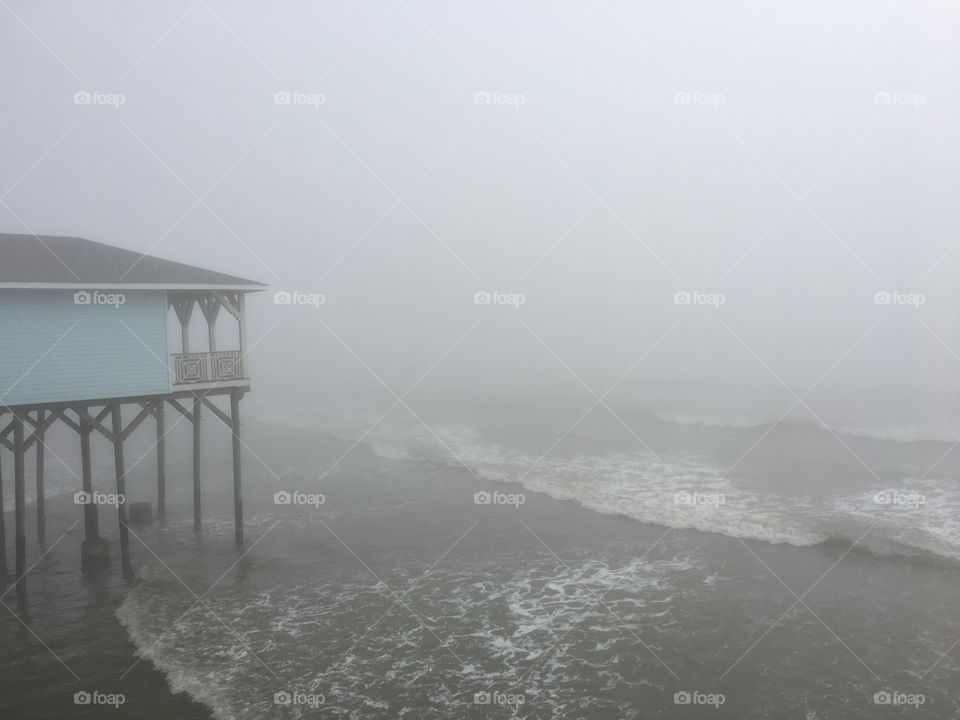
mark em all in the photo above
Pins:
pixel 47 691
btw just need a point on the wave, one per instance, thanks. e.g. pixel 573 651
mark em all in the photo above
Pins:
pixel 710 421
pixel 915 434
pixel 683 492
pixel 942 433
pixel 643 487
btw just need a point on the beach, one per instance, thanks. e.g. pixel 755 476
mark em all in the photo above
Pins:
pixel 412 587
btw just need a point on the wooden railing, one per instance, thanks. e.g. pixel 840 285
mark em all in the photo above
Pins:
pixel 192 368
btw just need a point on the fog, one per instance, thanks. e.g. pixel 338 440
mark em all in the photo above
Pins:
pixel 781 162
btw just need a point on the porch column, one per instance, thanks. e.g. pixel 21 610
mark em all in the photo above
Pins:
pixel 210 307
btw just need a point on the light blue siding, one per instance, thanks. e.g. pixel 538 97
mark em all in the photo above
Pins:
pixel 53 349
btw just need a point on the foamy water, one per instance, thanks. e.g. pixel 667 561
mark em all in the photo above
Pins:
pixel 597 631
pixel 347 642
pixel 645 486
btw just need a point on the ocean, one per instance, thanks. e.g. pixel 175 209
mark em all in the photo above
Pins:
pixel 452 564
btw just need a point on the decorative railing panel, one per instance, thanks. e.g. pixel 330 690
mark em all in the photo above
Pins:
pixel 191 368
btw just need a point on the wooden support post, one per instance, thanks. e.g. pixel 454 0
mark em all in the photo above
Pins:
pixel 3 528
pixel 196 462
pixel 20 498
pixel 121 473
pixel 91 527
pixel 237 485
pixel 161 461
pixel 41 511
pixel 95 550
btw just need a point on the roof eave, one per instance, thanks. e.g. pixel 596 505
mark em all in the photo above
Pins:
pixel 253 287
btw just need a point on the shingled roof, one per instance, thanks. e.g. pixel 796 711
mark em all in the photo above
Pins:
pixel 72 262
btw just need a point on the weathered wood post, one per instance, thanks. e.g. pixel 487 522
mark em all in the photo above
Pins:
pixel 196 462
pixel 19 501
pixel 161 461
pixel 91 527
pixel 95 551
pixel 3 528
pixel 121 473
pixel 41 451
pixel 237 485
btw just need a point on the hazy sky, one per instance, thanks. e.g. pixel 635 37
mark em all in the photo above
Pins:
pixel 790 158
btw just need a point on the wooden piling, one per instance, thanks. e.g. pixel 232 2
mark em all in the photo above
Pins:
pixel 196 462
pixel 41 451
pixel 121 474
pixel 91 527
pixel 19 501
pixel 3 528
pixel 237 485
pixel 161 461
